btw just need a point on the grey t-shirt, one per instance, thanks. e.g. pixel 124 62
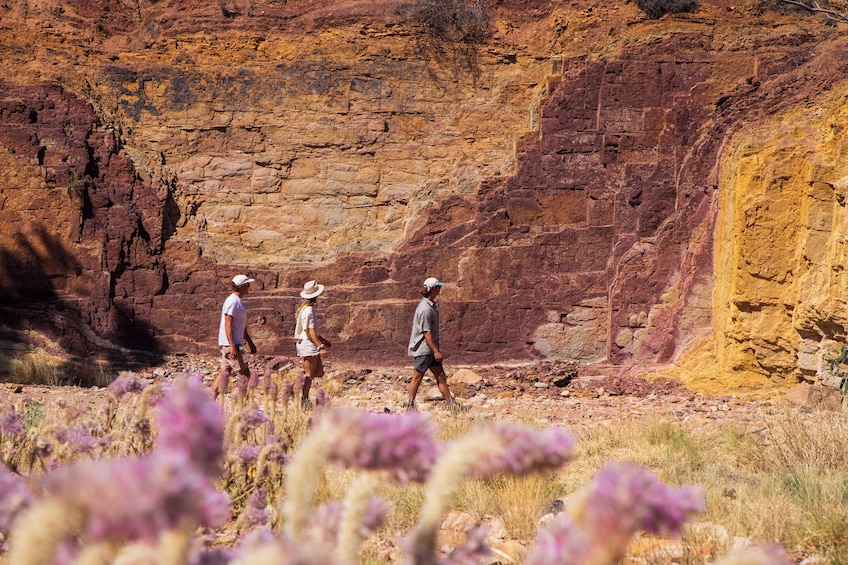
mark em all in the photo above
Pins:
pixel 426 319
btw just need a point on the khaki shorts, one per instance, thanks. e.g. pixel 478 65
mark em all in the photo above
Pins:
pixel 228 363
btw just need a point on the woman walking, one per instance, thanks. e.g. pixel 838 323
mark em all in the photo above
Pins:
pixel 310 344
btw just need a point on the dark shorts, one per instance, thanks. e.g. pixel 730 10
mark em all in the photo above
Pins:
pixel 424 362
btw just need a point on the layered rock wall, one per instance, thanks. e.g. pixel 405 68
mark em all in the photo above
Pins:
pixel 592 185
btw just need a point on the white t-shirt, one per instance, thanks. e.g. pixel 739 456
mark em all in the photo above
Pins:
pixel 233 306
pixel 305 320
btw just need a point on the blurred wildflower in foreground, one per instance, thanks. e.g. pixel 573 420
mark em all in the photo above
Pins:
pixel 10 422
pixel 129 499
pixel 127 383
pixel 147 509
pixel 497 448
pixel 135 498
pixel 400 445
pixel 622 500
pixel 191 425
pixel 15 497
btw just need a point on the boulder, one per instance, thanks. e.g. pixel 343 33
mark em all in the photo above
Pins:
pixel 814 397
pixel 466 377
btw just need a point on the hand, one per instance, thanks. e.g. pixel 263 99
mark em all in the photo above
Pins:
pixel 234 352
pixel 438 355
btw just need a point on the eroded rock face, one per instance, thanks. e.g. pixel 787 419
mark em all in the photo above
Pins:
pixel 592 186
pixel 80 231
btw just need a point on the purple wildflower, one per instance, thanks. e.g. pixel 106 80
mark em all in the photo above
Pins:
pixel 225 381
pixel 251 419
pixel 213 557
pixel 257 537
pixel 255 512
pixel 142 428
pixel 272 453
pixel 375 514
pixel 253 381
pixel 273 390
pixel 525 450
pixel 78 438
pixel 299 382
pixel 288 391
pixel 191 422
pixel 15 496
pixel 626 498
pixel 560 543
pixel 400 443
pixel 248 454
pixel 324 521
pixel 622 500
pixel 130 499
pixel 75 411
pixel 241 385
pixel 322 399
pixel 10 422
pixel 126 384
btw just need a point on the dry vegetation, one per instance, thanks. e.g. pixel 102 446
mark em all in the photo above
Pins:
pixel 785 483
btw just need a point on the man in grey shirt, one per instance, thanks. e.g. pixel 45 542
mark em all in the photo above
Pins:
pixel 424 345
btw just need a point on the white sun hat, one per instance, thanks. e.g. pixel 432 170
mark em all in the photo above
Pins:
pixel 311 290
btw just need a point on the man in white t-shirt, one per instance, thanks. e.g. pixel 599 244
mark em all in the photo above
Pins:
pixel 233 334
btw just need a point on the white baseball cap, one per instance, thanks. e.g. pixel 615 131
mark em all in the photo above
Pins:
pixel 240 280
pixel 432 282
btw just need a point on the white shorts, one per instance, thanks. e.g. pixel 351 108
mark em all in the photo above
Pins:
pixel 306 348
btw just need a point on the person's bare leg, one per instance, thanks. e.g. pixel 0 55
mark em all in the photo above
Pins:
pixel 216 384
pixel 307 386
pixel 313 368
pixel 417 377
pixel 442 381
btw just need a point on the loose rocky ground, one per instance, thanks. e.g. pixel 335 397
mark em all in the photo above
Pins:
pixel 542 393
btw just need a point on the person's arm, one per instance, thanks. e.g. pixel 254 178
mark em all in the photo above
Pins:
pixel 249 341
pixel 428 337
pixel 228 328
pixel 319 341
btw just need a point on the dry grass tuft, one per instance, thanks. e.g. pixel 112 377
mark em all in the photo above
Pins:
pixel 332 386
pixel 35 368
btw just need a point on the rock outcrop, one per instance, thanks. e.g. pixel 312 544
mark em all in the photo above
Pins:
pixel 593 185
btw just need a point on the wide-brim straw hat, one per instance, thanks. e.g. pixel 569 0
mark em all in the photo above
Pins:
pixel 311 290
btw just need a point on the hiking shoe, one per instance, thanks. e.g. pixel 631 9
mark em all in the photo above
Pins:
pixel 410 406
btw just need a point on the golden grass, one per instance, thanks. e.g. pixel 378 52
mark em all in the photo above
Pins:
pixel 333 386
pixel 39 368
pixel 787 482
pixel 35 368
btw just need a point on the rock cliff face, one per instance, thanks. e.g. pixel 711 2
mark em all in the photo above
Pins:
pixel 593 185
